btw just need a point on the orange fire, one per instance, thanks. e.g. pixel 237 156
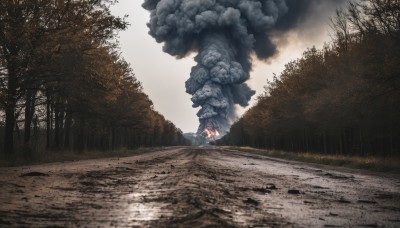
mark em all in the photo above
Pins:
pixel 211 133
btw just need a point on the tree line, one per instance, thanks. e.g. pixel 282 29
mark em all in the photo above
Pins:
pixel 343 98
pixel 64 85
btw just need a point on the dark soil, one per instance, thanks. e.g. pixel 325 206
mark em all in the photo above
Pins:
pixel 194 187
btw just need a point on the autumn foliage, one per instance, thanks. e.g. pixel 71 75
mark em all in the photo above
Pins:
pixel 344 98
pixel 64 85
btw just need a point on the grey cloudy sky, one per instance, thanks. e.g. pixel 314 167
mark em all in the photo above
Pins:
pixel 163 77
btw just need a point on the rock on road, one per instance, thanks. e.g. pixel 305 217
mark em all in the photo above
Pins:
pixel 196 187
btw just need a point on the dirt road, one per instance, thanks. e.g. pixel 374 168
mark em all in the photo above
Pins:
pixel 196 187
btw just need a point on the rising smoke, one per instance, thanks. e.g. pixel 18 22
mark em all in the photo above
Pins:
pixel 224 33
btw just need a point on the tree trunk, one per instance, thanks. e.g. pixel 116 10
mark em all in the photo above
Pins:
pixel 57 124
pixel 341 150
pixel 10 109
pixel 9 129
pixel 29 112
pixel 35 127
pixel 306 140
pixel 80 136
pixel 324 142
pixel 67 129
pixel 61 123
pixel 16 126
pixel 48 123
pixel 113 138
pixel 362 151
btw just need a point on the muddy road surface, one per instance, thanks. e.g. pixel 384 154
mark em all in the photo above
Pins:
pixel 196 187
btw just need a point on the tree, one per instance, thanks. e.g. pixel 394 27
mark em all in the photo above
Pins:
pixel 341 99
pixel 31 31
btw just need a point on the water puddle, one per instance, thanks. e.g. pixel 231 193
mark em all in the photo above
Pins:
pixel 140 211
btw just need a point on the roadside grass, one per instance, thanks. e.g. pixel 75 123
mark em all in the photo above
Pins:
pixel 35 158
pixel 377 164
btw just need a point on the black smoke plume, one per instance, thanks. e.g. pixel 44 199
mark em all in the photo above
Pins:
pixel 224 33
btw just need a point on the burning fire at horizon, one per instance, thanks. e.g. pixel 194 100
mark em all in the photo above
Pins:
pixel 211 133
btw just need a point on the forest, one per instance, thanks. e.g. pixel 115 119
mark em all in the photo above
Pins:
pixel 64 85
pixel 341 99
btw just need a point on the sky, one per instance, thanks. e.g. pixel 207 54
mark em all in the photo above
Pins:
pixel 163 76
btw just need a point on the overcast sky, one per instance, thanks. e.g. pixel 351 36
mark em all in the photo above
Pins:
pixel 163 77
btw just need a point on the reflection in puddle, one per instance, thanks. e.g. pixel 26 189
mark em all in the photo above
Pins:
pixel 143 212
pixel 139 210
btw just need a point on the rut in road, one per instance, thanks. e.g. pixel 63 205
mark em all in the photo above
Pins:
pixel 200 194
pixel 195 186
